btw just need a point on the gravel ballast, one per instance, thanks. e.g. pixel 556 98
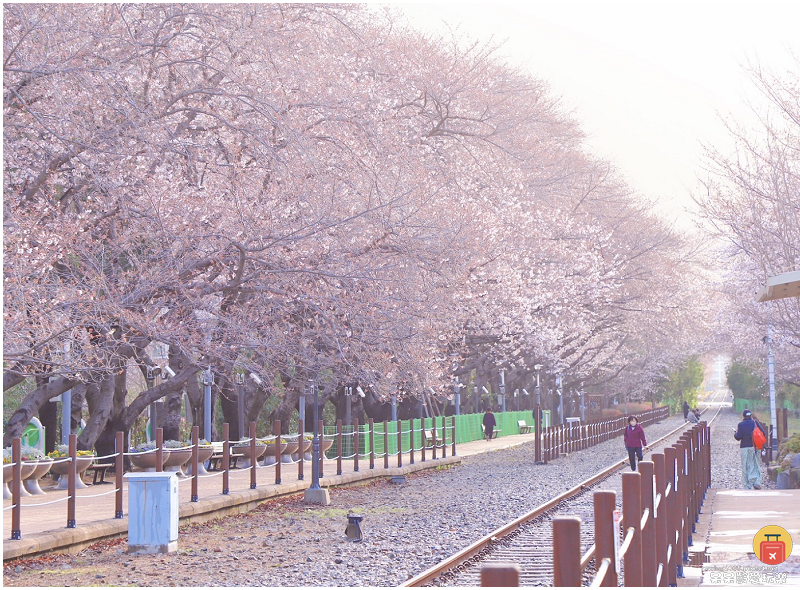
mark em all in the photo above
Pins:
pixel 407 527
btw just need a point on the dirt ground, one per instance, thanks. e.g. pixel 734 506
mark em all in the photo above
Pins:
pixel 284 542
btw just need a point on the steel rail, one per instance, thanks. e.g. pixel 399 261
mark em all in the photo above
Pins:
pixel 480 545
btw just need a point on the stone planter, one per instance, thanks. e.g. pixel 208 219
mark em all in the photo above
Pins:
pixel 324 445
pixel 203 455
pixel 244 462
pixel 147 461
pixel 31 482
pixel 8 474
pixel 289 452
pixel 62 469
pixel 306 452
pixel 177 458
pixel 269 454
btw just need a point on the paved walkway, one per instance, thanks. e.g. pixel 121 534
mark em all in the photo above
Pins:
pixel 44 527
pixel 723 550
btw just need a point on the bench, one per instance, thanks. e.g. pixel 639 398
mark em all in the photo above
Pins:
pixel 429 438
pixel 99 469
pixel 495 432
pixel 523 427
pixel 218 455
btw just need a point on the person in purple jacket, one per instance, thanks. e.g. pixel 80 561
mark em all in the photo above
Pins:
pixel 634 440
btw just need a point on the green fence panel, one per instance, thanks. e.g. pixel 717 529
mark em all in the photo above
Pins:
pixel 740 404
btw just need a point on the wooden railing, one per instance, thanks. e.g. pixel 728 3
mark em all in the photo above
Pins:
pixel 660 506
pixel 440 433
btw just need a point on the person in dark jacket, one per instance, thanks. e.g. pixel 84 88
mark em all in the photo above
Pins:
pixel 489 423
pixel 751 473
pixel 685 409
pixel 634 440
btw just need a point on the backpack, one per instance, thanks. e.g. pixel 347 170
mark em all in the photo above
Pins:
pixel 758 437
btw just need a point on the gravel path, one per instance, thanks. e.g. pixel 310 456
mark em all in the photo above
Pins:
pixel 407 528
pixel 726 466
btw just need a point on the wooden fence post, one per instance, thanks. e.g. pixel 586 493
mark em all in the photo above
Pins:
pixel 386 445
pixel 632 516
pixel 321 465
pixel 567 551
pixel 399 443
pixel 226 457
pixel 660 513
pixel 253 460
pixel 119 468
pixel 500 575
pixel 195 462
pixel 276 430
pixel 16 489
pixel 649 555
pixel 159 450
pixel 72 482
pixel 605 532
pixel 301 431
pixel 338 447
pixel 355 445
pixel 371 443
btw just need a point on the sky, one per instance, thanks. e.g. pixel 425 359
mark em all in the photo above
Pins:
pixel 650 82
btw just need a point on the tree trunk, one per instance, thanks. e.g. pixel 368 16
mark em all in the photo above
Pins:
pixel 48 415
pixel 98 417
pixel 156 393
pixel 229 403
pixel 173 402
pixel 76 406
pixel 256 398
pixel 31 405
pixel 10 379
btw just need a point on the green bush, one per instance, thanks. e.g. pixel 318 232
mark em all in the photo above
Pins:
pixel 790 445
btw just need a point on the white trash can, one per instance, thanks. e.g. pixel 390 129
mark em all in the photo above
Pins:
pixel 152 512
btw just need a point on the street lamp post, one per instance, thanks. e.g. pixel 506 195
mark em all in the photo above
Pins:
pixel 503 389
pixel 315 440
pixel 348 401
pixel 560 392
pixel 316 494
pixel 239 381
pixel 583 404
pixel 773 441
pixel 208 379
pixel 537 419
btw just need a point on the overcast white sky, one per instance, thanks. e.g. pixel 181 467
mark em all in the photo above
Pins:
pixel 648 80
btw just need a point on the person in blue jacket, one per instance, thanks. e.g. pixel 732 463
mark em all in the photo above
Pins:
pixel 751 473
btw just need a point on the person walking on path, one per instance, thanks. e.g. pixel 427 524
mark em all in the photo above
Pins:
pixel 634 440
pixel 685 409
pixel 489 422
pixel 751 473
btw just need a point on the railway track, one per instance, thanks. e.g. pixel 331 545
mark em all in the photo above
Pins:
pixel 528 540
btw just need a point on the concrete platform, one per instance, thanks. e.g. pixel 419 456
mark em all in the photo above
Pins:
pixel 724 540
pixel 44 527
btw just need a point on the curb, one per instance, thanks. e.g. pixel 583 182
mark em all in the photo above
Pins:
pixel 77 539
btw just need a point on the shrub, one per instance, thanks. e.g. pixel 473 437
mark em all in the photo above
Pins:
pixel 62 451
pixel 144 447
pixel 790 445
